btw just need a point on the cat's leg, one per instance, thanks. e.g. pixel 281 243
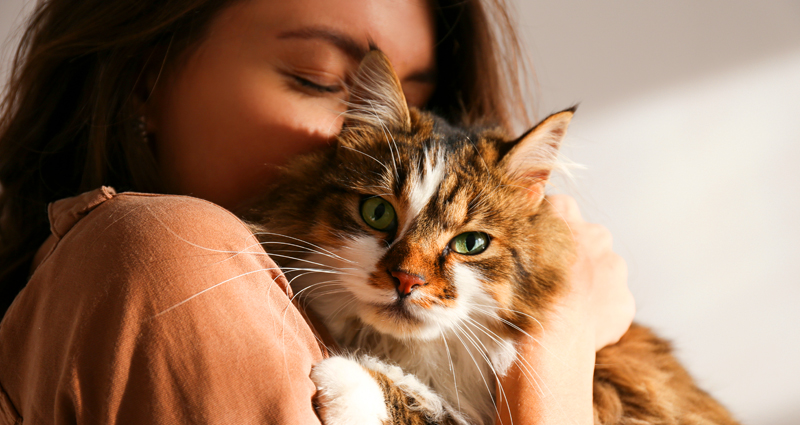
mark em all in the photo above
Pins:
pixel 348 394
pixel 368 391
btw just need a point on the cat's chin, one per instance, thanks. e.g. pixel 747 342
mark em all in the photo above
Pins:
pixel 399 323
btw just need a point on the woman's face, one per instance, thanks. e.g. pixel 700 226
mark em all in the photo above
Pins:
pixel 267 83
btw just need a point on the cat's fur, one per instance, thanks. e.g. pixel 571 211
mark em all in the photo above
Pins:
pixel 431 353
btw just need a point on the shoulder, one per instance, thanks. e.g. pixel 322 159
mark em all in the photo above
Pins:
pixel 157 222
pixel 164 233
pixel 143 209
pixel 139 245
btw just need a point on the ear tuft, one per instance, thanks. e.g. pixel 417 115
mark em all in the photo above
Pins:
pixel 529 160
pixel 376 96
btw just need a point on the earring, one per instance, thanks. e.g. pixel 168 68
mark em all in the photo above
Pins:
pixel 143 129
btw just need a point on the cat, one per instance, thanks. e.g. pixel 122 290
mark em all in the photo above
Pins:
pixel 428 250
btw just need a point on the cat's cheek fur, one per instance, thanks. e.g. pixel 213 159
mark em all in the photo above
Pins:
pixel 347 394
pixel 471 301
pixel 364 252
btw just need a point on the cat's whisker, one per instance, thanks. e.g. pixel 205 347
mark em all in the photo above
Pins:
pixel 296 294
pixel 523 362
pixel 369 156
pixel 500 344
pixel 306 249
pixel 475 361
pixel 305 242
pixel 350 302
pixel 290 303
pixel 388 134
pixel 452 369
pixel 497 340
pixel 210 288
pixel 312 295
pixel 517 328
pixel 528 369
pixel 511 311
pixel 286 270
pixel 377 120
pixel 188 242
pixel 304 260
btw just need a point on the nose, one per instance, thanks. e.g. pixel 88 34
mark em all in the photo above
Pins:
pixel 406 282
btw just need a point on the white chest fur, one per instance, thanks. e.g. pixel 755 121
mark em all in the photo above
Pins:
pixel 462 367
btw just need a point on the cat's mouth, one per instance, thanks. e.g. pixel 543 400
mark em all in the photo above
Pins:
pixel 397 319
pixel 399 311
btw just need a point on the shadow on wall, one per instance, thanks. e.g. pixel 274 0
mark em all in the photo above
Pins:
pixel 604 52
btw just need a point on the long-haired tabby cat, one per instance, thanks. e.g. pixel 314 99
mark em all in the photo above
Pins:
pixel 427 250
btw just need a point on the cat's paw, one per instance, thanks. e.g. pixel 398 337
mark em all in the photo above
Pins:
pixel 347 394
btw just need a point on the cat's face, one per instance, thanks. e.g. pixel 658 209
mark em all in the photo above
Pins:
pixel 424 227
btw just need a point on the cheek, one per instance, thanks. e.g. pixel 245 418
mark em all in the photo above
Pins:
pixel 224 143
pixel 288 124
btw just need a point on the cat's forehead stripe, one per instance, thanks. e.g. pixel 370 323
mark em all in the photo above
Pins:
pixel 422 188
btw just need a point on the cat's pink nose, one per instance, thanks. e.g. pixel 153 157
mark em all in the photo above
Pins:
pixel 406 282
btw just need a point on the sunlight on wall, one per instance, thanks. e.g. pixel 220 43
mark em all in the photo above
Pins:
pixel 699 184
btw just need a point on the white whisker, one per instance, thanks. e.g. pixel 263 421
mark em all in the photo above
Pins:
pixel 450 363
pixel 210 288
pixel 305 242
pixel 475 361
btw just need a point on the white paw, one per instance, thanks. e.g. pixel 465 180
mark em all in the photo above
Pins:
pixel 347 394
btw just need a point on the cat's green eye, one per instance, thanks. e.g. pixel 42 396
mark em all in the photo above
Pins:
pixel 470 243
pixel 378 214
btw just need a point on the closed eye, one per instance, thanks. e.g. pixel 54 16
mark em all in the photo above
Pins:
pixel 303 82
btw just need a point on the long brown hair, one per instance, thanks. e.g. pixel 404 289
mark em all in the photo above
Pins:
pixel 69 122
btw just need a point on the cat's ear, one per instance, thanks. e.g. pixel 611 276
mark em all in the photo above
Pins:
pixel 529 160
pixel 376 96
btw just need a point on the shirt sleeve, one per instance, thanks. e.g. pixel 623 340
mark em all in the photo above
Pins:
pixel 158 310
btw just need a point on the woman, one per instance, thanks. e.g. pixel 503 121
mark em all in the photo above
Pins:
pixel 124 317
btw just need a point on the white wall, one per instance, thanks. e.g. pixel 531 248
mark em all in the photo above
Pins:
pixel 689 128
pixel 12 15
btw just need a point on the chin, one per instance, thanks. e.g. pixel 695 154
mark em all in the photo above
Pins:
pixel 398 322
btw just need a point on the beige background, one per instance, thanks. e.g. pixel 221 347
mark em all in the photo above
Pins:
pixel 689 131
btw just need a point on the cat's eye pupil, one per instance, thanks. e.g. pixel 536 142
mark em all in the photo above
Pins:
pixel 470 243
pixel 378 214
pixel 379 211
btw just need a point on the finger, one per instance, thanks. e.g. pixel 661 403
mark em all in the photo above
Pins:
pixel 598 236
pixel 566 206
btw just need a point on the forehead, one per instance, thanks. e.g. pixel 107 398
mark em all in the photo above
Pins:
pixel 403 29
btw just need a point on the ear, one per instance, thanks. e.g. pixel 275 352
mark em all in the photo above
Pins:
pixel 376 96
pixel 529 160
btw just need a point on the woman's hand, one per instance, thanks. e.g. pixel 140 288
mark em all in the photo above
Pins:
pixel 599 296
pixel 552 381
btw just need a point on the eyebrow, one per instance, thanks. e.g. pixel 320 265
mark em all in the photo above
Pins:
pixel 342 41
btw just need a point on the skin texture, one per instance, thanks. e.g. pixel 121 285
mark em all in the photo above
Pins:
pixel 266 84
